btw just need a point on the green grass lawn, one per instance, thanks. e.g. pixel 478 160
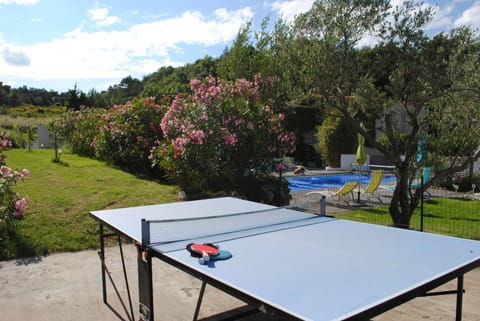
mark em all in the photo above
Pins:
pixel 449 216
pixel 62 195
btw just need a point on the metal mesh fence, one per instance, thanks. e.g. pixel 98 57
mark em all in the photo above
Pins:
pixel 443 211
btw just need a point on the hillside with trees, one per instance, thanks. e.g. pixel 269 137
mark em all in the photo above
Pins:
pixel 165 81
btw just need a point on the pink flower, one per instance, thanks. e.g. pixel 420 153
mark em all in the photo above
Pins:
pixel 17 175
pixel 239 121
pixel 150 102
pixel 151 155
pixel 194 83
pixel 197 136
pixel 176 106
pixel 179 144
pixel 5 171
pixel 20 206
pixel 243 86
pixel 231 139
pixel 5 143
pixel 213 90
pixel 164 125
pixel 211 80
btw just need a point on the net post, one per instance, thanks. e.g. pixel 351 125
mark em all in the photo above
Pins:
pixel 145 232
pixel 323 206
pixel 145 277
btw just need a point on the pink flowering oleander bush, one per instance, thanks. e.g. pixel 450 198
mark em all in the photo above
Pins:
pixel 80 128
pixel 121 135
pixel 127 133
pixel 224 136
pixel 12 205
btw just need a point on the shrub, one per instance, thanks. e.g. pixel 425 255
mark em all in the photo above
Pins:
pixel 12 205
pixel 465 184
pixel 122 135
pixel 80 128
pixel 334 138
pixel 265 189
pixel 223 136
pixel 128 132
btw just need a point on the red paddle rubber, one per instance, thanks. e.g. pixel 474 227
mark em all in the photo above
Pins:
pixel 203 251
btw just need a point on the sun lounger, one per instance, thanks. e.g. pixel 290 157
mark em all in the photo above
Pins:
pixel 372 187
pixel 342 193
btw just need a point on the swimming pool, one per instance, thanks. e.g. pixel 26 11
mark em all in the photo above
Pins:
pixel 329 181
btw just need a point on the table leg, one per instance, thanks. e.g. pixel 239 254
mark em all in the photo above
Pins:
pixel 102 259
pixel 459 297
pixel 199 302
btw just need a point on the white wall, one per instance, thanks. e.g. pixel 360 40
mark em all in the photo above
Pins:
pixel 346 161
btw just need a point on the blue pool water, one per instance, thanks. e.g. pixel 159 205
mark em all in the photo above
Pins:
pixel 329 181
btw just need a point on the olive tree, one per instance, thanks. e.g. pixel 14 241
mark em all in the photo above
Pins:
pixel 431 82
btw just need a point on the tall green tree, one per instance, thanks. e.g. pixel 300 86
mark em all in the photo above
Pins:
pixel 453 116
pixel 76 99
pixel 334 139
pixel 171 81
pixel 240 60
pixel 260 52
pixel 266 53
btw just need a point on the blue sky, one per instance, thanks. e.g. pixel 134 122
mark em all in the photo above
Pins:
pixel 55 44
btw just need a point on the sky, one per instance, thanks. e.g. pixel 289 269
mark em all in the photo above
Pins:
pixel 57 44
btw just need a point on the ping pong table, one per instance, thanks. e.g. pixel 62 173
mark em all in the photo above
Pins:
pixel 291 264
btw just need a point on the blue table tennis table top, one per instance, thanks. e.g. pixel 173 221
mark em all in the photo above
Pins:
pixel 318 269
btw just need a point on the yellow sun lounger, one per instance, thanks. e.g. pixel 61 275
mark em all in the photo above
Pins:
pixel 371 189
pixel 346 189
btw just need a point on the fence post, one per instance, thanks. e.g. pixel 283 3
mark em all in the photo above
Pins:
pixel 421 203
pixel 323 206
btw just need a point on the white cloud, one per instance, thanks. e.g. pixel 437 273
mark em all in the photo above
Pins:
pixel 442 19
pixel 12 84
pixel 108 21
pixel 470 17
pixel 15 58
pixel 100 15
pixel 141 49
pixel 19 2
pixel 287 10
pixel 191 28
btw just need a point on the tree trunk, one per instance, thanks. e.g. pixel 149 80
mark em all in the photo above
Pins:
pixel 470 167
pixel 400 206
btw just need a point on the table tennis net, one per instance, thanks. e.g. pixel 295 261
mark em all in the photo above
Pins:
pixel 168 231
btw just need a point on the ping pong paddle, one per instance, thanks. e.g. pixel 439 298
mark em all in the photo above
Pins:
pixel 222 255
pixel 203 251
